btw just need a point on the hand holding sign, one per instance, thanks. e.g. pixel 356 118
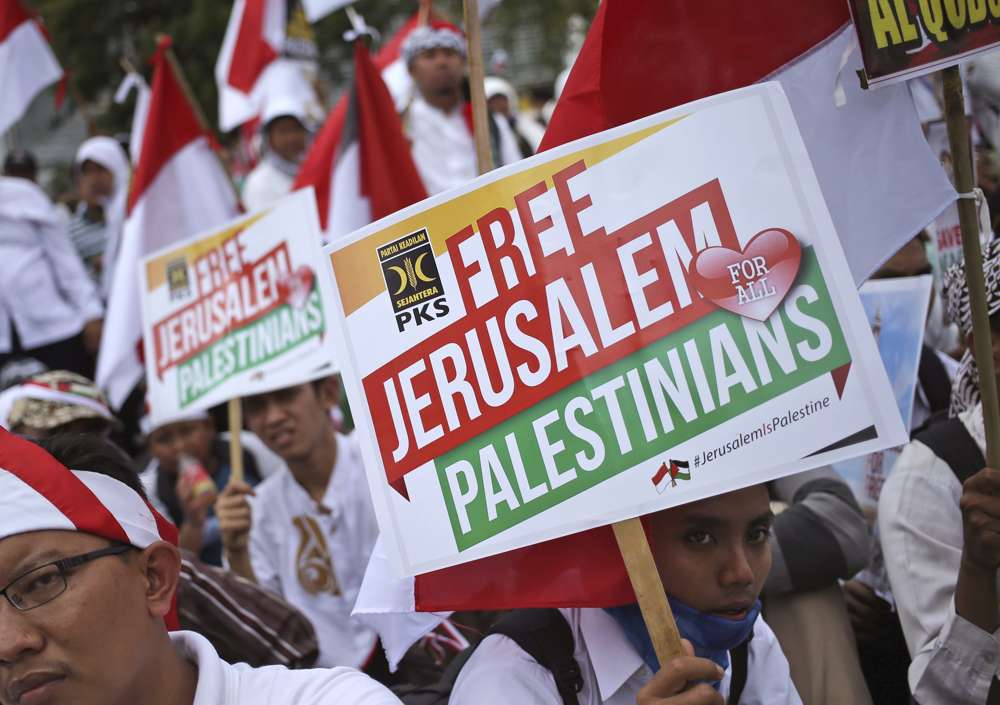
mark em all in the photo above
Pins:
pixel 753 282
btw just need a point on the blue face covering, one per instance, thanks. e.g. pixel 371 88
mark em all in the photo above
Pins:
pixel 713 637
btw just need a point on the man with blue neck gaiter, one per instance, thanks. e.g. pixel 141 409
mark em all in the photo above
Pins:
pixel 713 557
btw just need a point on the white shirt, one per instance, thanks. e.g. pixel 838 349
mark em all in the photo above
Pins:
pixel 953 661
pixel 220 683
pixel 265 185
pixel 499 672
pixel 443 148
pixel 315 556
pixel 45 290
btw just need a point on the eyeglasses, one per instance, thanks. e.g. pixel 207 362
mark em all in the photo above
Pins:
pixel 47 582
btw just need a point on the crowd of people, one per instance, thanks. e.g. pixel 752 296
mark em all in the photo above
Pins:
pixel 135 568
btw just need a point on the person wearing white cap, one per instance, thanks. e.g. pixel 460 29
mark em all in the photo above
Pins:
pixel 88 573
pixel 438 120
pixel 102 174
pixel 286 138
pixel 501 99
pixel 307 532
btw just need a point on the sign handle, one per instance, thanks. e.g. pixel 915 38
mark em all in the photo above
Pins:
pixel 424 13
pixel 958 137
pixel 649 592
pixel 477 91
pixel 235 440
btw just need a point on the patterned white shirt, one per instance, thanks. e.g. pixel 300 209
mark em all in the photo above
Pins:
pixel 315 555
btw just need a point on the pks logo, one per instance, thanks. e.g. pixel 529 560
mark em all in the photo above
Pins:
pixel 412 279
pixel 178 281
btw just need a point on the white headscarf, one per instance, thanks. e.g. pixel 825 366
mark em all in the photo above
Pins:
pixel 106 152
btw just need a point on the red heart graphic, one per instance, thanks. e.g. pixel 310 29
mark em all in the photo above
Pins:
pixel 753 282
pixel 296 286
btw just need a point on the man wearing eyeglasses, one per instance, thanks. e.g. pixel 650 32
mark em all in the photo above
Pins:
pixel 87 577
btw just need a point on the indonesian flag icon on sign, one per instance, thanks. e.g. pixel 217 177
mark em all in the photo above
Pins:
pixel 669 473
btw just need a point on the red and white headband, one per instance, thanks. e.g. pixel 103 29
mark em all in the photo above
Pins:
pixel 37 493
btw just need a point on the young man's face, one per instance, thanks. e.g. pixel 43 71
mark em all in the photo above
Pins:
pixel 96 183
pixel 293 421
pixel 87 645
pixel 193 438
pixel 437 71
pixel 714 555
pixel 287 137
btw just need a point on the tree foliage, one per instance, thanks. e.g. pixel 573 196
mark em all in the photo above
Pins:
pixel 91 37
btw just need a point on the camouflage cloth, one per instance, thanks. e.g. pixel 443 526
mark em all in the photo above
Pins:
pixel 51 399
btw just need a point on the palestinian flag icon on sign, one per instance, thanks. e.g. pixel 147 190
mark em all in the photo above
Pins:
pixel 669 473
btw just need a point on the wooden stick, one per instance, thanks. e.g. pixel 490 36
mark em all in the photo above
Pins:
pixel 127 66
pixel 235 441
pixel 958 137
pixel 648 588
pixel 480 126
pixel 424 13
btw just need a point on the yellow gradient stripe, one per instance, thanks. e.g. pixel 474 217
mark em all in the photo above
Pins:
pixel 156 269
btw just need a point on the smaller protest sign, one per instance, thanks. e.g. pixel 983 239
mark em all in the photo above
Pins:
pixel 901 39
pixel 237 310
pixel 897 311
pixel 946 230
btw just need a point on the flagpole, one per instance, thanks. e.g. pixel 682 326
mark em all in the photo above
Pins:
pixel 477 90
pixel 235 408
pixel 424 13
pixel 958 137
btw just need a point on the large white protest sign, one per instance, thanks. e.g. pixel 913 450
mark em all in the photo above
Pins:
pixel 241 309
pixel 645 317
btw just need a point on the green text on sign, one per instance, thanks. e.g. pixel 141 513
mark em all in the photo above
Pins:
pixel 660 396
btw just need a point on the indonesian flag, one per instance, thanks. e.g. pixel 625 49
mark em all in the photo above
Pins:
pixel 669 473
pixel 879 178
pixel 360 165
pixel 27 64
pixel 179 188
pixel 318 9
pixel 253 41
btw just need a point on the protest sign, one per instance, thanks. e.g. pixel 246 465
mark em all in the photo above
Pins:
pixel 901 39
pixel 238 310
pixel 946 230
pixel 638 319
pixel 897 311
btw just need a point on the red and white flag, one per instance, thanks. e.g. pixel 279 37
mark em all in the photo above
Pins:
pixel 179 188
pixel 318 9
pixel 27 64
pixel 879 178
pixel 360 165
pixel 253 41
